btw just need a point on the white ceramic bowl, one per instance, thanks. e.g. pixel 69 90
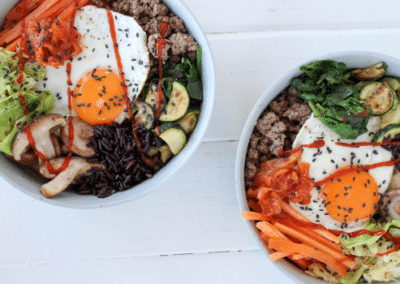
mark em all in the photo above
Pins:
pixel 352 59
pixel 29 183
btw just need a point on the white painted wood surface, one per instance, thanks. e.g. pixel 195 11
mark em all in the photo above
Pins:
pixel 190 230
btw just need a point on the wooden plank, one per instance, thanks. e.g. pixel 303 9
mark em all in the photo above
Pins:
pixel 223 267
pixel 226 16
pixel 248 63
pixel 195 211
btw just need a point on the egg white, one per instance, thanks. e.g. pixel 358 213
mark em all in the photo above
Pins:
pixel 326 160
pixel 98 51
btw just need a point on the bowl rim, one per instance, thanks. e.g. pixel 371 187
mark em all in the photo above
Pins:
pixel 209 85
pixel 288 268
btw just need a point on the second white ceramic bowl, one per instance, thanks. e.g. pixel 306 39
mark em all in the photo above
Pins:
pixel 352 59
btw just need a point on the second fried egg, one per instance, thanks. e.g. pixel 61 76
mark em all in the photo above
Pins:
pixel 344 203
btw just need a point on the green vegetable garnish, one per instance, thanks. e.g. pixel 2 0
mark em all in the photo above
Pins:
pixel 333 98
pixel 11 111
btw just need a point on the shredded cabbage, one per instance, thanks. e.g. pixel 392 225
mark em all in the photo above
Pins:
pixel 369 267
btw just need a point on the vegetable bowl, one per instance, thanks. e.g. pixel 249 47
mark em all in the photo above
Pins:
pixel 335 138
pixel 107 110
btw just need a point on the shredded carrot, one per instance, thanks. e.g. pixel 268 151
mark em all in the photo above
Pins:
pixel 270 230
pixel 10 35
pixel 318 245
pixel 312 234
pixel 264 237
pixel 328 235
pixel 13 46
pixel 278 255
pixel 291 247
pixel 20 11
pixel 67 13
pixel 292 212
pixel 298 256
pixel 60 6
pixel 252 216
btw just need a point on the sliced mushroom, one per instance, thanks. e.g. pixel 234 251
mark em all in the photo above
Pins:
pixel 77 167
pixel 82 134
pixel 390 205
pixel 56 144
pixel 42 130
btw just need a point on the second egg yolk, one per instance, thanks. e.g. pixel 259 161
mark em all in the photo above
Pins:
pixel 98 97
pixel 351 197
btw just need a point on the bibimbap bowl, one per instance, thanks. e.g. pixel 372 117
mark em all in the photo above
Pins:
pixel 353 59
pixel 29 182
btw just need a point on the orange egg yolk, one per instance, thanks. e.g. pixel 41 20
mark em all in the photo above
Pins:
pixel 98 96
pixel 351 197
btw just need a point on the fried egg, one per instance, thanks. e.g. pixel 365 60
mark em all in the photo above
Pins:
pixel 345 203
pixel 95 80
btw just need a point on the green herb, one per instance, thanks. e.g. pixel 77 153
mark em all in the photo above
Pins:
pixel 334 99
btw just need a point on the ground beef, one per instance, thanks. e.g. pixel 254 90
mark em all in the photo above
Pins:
pixel 299 112
pixel 276 128
pixel 149 14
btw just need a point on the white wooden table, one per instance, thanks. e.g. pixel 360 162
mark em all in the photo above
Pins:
pixel 189 230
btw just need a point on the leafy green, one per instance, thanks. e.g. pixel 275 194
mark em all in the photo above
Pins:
pixel 195 90
pixel 199 55
pixel 187 72
pixel 325 85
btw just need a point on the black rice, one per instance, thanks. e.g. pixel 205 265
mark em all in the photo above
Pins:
pixel 115 147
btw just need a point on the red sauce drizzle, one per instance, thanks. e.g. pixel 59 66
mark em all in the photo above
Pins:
pixel 31 140
pixel 355 145
pixel 119 63
pixel 160 44
pixel 163 26
pixel 23 104
pixel 360 168
pixel 362 114
pixel 158 130
pixel 20 78
pixel 150 162
pixel 317 144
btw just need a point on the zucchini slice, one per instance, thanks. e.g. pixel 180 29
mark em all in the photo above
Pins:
pixel 151 97
pixel 392 82
pixel 177 104
pixel 188 122
pixel 145 115
pixel 373 72
pixel 387 133
pixel 362 84
pixel 379 97
pixel 393 115
pixel 165 153
pixel 175 139
pixel 194 109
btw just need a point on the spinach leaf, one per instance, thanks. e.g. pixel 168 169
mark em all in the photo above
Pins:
pixel 334 99
pixel 316 69
pixel 167 86
pixel 195 90
pixel 199 54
